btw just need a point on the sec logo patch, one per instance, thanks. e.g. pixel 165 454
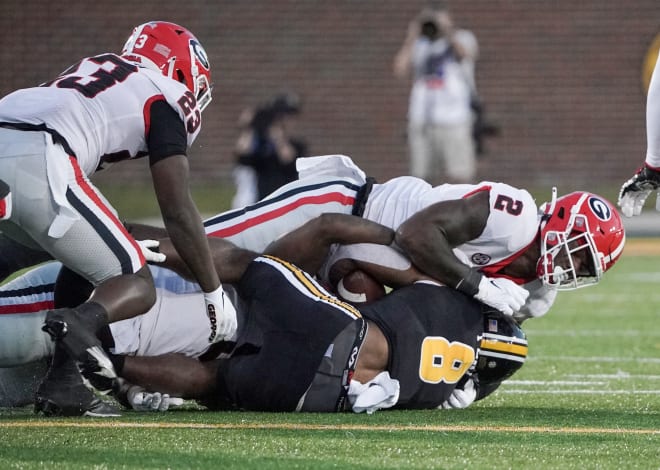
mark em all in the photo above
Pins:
pixel 480 259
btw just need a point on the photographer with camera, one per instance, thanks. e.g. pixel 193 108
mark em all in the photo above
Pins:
pixel 266 148
pixel 440 117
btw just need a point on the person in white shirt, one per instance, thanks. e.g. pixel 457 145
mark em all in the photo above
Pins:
pixel 441 59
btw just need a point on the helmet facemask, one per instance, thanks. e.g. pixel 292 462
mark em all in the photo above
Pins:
pixel 570 260
pixel 201 86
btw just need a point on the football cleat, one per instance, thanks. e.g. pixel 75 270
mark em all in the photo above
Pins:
pixel 75 330
pixel 63 393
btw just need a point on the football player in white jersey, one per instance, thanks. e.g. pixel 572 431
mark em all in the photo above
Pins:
pixel 107 108
pixel 488 240
pixel 637 189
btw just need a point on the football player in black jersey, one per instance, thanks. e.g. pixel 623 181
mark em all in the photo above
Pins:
pixel 300 348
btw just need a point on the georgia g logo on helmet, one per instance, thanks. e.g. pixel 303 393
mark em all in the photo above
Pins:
pixel 600 208
pixel 200 53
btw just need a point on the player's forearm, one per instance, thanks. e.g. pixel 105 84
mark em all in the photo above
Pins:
pixel 653 120
pixel 145 232
pixel 431 252
pixel 187 235
pixel 174 374
pixel 308 245
pixel 347 229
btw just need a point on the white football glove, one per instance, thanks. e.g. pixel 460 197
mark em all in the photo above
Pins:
pixel 222 316
pixel 636 190
pixel 461 398
pixel 501 294
pixel 141 400
pixel 147 247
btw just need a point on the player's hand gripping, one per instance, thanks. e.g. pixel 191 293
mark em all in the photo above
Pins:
pixel 502 294
pixel 150 250
pixel 634 192
pixel 462 396
pixel 141 400
pixel 222 316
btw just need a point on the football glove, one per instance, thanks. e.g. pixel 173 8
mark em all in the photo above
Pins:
pixel 462 396
pixel 141 400
pixel 634 192
pixel 221 314
pixel 150 251
pixel 501 294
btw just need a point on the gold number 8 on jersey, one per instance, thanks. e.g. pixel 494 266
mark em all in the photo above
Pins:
pixel 442 361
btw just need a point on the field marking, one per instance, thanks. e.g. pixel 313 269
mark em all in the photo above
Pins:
pixel 598 333
pixel 612 299
pixel 619 375
pixel 328 427
pixel 643 360
pixel 642 277
pixel 553 382
pixel 574 391
pixel 642 247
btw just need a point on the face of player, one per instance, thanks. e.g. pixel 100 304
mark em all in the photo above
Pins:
pixel 577 258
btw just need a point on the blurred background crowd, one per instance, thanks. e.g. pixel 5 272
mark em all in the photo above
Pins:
pixel 563 81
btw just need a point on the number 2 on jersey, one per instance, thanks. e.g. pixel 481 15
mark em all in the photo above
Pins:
pixel 508 204
pixel 442 361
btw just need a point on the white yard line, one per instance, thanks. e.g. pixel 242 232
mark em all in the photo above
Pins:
pixel 580 391
pixel 642 360
pixel 596 333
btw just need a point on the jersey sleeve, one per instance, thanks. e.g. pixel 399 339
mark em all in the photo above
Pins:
pixel 166 135
pixel 511 226
pixel 513 219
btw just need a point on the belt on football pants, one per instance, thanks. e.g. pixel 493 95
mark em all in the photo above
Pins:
pixel 24 126
pixel 329 389
pixel 362 196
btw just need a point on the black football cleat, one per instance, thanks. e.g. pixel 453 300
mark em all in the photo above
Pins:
pixel 75 330
pixel 63 393
pixel 77 402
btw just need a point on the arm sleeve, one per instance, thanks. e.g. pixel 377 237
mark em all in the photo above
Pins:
pixel 166 135
pixel 653 119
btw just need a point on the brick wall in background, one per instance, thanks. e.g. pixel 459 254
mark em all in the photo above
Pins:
pixel 562 78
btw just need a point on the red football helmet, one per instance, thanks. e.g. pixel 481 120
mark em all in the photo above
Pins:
pixel 582 236
pixel 175 52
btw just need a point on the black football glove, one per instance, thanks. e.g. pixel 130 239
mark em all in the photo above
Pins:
pixel 634 192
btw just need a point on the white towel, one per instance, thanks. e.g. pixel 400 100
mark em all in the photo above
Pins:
pixel 379 393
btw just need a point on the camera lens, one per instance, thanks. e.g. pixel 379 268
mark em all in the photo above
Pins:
pixel 429 29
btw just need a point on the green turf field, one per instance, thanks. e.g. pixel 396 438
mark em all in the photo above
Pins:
pixel 588 397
